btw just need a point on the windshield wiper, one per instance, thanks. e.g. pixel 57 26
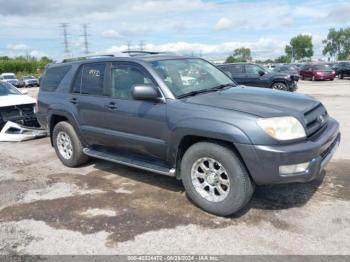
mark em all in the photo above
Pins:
pixel 212 89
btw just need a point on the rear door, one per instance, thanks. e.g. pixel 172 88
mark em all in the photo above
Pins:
pixel 90 96
pixel 237 72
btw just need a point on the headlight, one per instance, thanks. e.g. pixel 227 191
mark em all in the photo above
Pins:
pixel 282 128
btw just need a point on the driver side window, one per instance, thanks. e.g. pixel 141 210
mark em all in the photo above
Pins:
pixel 252 70
pixel 124 77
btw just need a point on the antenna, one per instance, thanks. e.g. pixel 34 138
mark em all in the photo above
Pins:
pixel 65 38
pixel 86 42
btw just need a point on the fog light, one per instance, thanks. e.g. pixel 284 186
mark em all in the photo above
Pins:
pixel 293 169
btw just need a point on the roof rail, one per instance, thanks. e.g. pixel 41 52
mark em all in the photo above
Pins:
pixel 142 53
pixel 74 59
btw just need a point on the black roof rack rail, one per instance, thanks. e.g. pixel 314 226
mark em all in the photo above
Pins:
pixel 142 53
pixel 74 59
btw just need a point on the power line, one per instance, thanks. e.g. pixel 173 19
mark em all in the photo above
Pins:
pixel 86 42
pixel 65 39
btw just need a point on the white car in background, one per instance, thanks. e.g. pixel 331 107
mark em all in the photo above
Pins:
pixel 17 115
pixel 10 78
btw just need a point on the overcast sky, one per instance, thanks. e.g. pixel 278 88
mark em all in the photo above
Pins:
pixel 207 27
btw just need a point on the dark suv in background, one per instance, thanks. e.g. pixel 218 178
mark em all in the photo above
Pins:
pixel 183 117
pixel 256 75
pixel 342 69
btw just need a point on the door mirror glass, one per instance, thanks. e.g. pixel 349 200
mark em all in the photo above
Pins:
pixel 144 92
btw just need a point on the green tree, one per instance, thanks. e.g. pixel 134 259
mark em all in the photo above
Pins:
pixel 300 47
pixel 338 43
pixel 239 55
pixel 283 59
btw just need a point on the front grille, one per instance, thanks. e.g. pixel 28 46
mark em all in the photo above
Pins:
pixel 315 120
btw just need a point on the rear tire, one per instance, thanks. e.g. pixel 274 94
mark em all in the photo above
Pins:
pixel 67 145
pixel 341 76
pixel 215 178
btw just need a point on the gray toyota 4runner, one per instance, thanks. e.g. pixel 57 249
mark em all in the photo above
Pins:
pixel 183 117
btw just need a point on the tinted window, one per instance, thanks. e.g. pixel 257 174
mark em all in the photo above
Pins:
pixel 92 79
pixel 124 77
pixel 235 69
pixel 53 77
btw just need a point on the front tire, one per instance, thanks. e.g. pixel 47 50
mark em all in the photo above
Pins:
pixel 67 145
pixel 279 86
pixel 215 178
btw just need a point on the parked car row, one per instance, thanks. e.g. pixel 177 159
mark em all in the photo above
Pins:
pixel 26 81
pixel 259 76
pixel 315 71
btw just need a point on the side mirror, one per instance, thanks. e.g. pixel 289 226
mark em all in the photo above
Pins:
pixel 24 92
pixel 144 92
pixel 261 73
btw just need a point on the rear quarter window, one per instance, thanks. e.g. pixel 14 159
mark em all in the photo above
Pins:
pixel 53 77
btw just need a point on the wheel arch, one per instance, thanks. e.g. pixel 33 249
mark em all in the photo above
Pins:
pixel 59 116
pixel 189 140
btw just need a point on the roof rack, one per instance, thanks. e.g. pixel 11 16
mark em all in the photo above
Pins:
pixel 142 53
pixel 74 59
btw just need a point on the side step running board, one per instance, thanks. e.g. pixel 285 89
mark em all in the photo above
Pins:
pixel 132 162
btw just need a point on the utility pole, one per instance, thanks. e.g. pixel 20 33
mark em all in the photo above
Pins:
pixel 86 42
pixel 65 39
pixel 142 43
pixel 128 44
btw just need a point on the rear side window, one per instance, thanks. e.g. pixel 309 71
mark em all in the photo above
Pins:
pixel 53 77
pixel 236 69
pixel 92 80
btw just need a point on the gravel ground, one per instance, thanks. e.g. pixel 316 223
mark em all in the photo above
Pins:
pixel 104 208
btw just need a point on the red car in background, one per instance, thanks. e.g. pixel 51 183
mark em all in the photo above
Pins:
pixel 317 72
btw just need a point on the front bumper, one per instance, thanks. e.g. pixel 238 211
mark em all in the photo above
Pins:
pixel 263 162
pixel 324 77
pixel 293 86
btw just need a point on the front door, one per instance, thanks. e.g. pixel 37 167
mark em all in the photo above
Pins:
pixel 136 126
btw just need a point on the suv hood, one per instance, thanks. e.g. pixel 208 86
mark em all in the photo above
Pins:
pixel 257 101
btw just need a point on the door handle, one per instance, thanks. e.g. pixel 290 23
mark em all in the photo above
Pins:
pixel 73 100
pixel 112 106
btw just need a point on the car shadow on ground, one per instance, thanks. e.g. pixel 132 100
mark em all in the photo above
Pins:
pixel 271 197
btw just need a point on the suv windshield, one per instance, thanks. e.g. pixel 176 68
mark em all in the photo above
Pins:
pixel 190 76
pixel 7 89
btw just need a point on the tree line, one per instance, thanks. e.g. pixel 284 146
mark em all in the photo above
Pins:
pixel 23 66
pixel 300 48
